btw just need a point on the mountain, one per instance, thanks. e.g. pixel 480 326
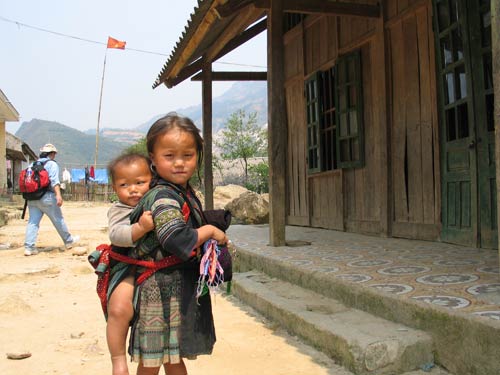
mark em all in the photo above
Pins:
pixel 129 136
pixel 249 96
pixel 75 148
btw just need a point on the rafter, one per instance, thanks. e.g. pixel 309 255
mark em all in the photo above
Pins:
pixel 236 27
pixel 241 39
pixel 233 76
pixel 305 7
pixel 185 73
pixel 231 7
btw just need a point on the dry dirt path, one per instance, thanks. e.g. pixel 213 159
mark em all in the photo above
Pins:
pixel 48 307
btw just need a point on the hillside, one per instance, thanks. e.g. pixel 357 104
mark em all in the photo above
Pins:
pixel 76 149
pixel 249 96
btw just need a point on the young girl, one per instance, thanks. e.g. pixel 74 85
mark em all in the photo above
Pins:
pixel 171 323
pixel 131 176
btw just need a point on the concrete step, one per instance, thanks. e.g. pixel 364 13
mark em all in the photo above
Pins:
pixel 363 343
pixel 462 344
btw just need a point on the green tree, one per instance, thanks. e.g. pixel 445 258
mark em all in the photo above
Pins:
pixel 242 139
pixel 139 147
pixel 259 177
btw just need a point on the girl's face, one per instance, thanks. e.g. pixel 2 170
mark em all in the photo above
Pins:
pixel 131 181
pixel 174 156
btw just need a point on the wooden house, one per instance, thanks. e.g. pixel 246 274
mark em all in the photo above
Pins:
pixel 380 116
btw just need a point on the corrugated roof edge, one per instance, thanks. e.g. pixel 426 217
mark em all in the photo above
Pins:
pixel 197 16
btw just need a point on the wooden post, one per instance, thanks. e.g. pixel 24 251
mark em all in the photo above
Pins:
pixel 207 135
pixel 495 42
pixel 277 126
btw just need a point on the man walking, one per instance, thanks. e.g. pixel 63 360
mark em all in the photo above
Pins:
pixel 49 204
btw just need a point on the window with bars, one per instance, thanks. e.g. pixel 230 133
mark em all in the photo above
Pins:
pixel 334 116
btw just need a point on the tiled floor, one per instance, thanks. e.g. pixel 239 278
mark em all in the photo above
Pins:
pixel 454 277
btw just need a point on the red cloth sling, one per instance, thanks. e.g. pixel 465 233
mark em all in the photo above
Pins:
pixel 101 264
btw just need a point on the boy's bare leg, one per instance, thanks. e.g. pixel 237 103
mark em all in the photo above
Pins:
pixel 120 313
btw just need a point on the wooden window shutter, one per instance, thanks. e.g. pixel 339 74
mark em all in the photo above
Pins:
pixel 349 104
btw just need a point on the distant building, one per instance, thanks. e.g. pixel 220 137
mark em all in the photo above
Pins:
pixel 7 113
pixel 18 156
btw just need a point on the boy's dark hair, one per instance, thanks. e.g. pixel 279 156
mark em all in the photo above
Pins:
pixel 125 158
pixel 171 121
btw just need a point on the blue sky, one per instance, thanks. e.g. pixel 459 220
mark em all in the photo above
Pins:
pixel 58 78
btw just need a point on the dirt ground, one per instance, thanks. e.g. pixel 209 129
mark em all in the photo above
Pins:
pixel 49 308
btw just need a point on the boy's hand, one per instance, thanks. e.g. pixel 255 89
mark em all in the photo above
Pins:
pixel 146 221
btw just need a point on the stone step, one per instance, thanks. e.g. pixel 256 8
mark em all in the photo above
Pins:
pixel 362 343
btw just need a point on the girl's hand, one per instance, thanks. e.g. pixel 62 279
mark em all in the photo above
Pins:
pixel 207 232
pixel 220 236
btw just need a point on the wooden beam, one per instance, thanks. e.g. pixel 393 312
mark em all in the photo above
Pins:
pixel 207 136
pixel 244 37
pixel 234 76
pixel 331 8
pixel 277 129
pixel 185 73
pixel 495 42
pixel 232 7
pixel 236 27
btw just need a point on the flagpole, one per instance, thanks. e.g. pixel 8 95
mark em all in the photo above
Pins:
pixel 99 113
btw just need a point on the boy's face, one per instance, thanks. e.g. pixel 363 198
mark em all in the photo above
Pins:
pixel 131 181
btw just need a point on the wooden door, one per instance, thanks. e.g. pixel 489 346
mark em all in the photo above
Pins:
pixel 479 15
pixel 463 43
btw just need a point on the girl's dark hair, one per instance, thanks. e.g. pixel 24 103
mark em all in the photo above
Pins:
pixel 125 158
pixel 172 121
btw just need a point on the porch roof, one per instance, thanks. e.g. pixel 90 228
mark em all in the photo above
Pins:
pixel 206 34
pixel 217 27
pixel 7 110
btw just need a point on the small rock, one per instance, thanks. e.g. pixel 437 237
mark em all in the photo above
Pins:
pixel 79 251
pixel 77 335
pixel 22 355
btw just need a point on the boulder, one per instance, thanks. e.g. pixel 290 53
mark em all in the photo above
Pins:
pixel 249 208
pixel 225 194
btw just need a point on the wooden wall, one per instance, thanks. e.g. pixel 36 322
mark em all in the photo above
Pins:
pixel 407 166
pixel 297 192
pixel 414 126
pixel 362 188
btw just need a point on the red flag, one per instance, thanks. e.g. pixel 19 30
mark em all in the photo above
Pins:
pixel 115 43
